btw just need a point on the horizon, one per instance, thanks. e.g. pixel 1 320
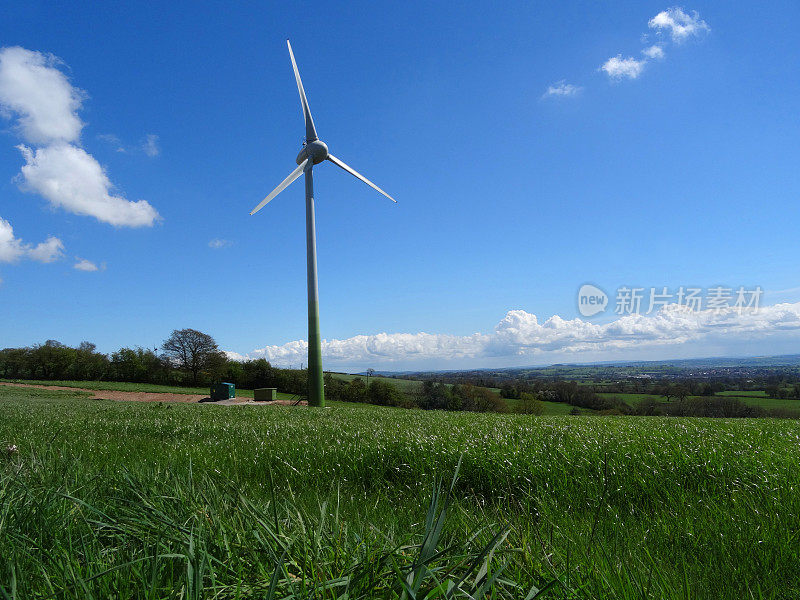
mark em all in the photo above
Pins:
pixel 538 154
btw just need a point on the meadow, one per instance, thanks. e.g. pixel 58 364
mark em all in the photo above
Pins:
pixel 124 386
pixel 103 499
pixel 752 398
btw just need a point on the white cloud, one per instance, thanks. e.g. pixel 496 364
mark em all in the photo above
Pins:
pixel 679 24
pixel 654 51
pixel 150 145
pixel 562 89
pixel 84 265
pixel 521 335
pixel 617 67
pixel 675 21
pixel 33 89
pixel 48 251
pixel 35 92
pixel 12 248
pixel 218 243
pixel 71 178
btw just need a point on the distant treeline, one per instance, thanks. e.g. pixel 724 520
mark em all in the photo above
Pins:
pixel 55 361
pixel 428 395
pixel 783 385
pixel 189 357
pixel 719 406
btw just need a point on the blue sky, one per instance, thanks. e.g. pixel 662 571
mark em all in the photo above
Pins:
pixel 648 170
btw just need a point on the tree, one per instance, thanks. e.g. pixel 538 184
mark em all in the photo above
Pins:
pixel 52 359
pixel 192 351
pixel 135 364
pixel 529 404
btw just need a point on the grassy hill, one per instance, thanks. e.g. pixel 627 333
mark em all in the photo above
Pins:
pixel 111 499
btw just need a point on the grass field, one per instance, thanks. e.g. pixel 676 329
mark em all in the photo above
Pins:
pixel 550 408
pixel 753 398
pixel 410 385
pixel 745 394
pixel 127 500
pixel 406 385
pixel 122 386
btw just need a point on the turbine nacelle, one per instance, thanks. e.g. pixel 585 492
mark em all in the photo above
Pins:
pixel 317 151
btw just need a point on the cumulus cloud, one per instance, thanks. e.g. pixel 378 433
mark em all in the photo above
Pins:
pixel 680 25
pixel 520 334
pixel 617 67
pixel 48 251
pixel 82 264
pixel 150 145
pixel 674 21
pixel 34 89
pixel 13 249
pixel 36 93
pixel 654 51
pixel 70 178
pixel 218 243
pixel 561 89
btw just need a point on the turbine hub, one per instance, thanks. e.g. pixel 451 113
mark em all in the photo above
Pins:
pixel 317 151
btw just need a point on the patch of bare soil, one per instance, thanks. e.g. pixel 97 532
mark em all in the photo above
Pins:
pixel 151 396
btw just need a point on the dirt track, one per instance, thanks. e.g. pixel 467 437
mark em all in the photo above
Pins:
pixel 148 396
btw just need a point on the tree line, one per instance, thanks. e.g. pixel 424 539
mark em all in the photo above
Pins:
pixel 428 395
pixel 191 358
pixel 186 357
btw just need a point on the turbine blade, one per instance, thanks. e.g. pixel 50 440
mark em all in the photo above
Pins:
pixel 355 173
pixel 282 186
pixel 311 133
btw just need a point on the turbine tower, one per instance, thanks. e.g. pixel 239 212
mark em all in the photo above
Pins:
pixel 313 152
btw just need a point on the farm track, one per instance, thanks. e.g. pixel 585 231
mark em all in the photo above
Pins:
pixel 117 395
pixel 148 396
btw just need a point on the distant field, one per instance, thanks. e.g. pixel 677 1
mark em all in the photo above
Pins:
pixel 130 500
pixel 752 398
pixel 764 402
pixel 550 408
pixel 121 386
pixel 407 385
pixel 404 384
pixel 410 385
pixel 631 399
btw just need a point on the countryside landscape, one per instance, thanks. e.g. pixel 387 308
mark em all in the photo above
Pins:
pixel 637 480
pixel 520 321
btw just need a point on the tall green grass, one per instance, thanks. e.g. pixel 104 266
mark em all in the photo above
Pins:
pixel 127 500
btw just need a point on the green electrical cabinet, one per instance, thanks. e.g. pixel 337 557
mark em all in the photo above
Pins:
pixel 265 394
pixel 223 391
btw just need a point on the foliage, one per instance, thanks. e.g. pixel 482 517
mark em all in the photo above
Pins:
pixel 529 404
pixel 53 361
pixel 193 351
pixel 718 407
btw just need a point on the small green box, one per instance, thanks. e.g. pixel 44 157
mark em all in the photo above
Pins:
pixel 265 394
pixel 223 391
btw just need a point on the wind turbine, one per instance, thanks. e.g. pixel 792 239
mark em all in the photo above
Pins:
pixel 313 152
